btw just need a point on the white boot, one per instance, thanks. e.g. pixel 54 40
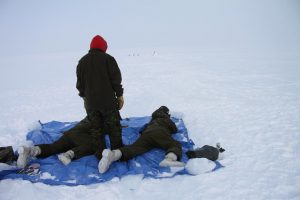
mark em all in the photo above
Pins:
pixel 25 153
pixel 171 161
pixel 108 157
pixel 66 157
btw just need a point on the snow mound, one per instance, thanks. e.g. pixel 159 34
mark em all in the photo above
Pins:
pixel 199 166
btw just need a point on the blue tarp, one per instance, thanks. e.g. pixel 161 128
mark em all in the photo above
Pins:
pixel 85 170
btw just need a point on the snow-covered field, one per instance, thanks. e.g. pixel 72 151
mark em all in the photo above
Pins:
pixel 247 100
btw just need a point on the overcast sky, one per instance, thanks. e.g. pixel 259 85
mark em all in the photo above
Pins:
pixel 34 26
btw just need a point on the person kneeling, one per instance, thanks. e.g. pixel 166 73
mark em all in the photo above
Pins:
pixel 157 134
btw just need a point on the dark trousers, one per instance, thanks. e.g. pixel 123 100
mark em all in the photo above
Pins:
pixel 112 127
pixel 150 140
pixel 106 123
pixel 109 122
pixel 81 139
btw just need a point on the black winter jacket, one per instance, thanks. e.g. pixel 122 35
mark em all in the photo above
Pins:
pixel 99 81
pixel 163 125
pixel 160 122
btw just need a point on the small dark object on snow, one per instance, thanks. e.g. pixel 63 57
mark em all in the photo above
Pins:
pixel 7 155
pixel 31 170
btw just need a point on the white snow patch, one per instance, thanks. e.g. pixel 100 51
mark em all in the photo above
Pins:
pixel 67 124
pixel 176 114
pixel 47 175
pixel 71 181
pixel 137 164
pixel 34 126
pixel 131 182
pixel 247 101
pixel 197 166
pixel 173 170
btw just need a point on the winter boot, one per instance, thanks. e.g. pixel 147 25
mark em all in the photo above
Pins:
pixel 25 153
pixel 171 161
pixel 108 157
pixel 66 157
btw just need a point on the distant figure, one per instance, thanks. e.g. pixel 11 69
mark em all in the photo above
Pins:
pixel 157 134
pixel 99 84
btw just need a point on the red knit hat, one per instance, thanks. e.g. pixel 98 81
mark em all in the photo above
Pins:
pixel 98 43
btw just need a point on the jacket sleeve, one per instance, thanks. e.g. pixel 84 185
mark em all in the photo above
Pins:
pixel 115 76
pixel 79 83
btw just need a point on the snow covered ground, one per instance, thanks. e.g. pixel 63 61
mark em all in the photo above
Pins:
pixel 247 100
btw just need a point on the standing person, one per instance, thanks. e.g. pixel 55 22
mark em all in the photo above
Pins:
pixel 157 134
pixel 99 84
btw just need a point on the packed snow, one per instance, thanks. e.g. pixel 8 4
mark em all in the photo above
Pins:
pixel 230 69
pixel 247 100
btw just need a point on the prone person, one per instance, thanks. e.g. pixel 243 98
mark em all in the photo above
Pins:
pixel 157 134
pixel 75 143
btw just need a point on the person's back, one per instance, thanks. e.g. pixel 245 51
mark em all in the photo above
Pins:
pixel 99 78
pixel 156 134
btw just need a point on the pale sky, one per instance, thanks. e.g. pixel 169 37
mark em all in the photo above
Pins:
pixel 40 26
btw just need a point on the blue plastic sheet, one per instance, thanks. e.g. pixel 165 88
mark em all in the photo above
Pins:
pixel 84 171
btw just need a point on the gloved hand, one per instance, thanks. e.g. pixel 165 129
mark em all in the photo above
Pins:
pixel 120 102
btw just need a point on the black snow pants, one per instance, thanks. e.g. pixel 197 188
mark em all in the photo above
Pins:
pixel 79 139
pixel 112 127
pixel 150 140
pixel 109 122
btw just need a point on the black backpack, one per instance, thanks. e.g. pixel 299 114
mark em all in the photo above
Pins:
pixel 7 155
